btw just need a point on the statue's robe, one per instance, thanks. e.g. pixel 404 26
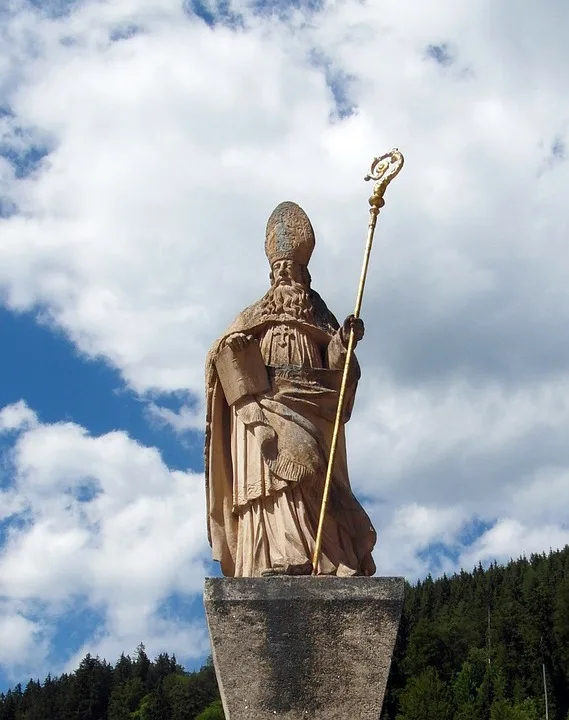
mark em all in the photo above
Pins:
pixel 263 511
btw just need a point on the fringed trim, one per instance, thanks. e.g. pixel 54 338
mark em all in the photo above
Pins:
pixel 291 470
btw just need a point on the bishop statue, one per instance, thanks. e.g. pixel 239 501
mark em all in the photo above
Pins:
pixel 272 386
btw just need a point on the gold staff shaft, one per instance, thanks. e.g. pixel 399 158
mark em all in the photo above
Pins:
pixel 383 170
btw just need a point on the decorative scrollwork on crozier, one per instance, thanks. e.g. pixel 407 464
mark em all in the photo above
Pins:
pixel 383 169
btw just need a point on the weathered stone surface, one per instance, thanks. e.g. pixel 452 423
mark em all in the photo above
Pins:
pixel 273 383
pixel 303 647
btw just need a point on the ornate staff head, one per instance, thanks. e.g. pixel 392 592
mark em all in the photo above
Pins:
pixel 383 169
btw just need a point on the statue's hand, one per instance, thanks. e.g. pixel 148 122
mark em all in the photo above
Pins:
pixel 268 441
pixel 351 322
pixel 238 341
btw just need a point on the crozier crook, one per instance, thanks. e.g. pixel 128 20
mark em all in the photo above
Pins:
pixel 383 170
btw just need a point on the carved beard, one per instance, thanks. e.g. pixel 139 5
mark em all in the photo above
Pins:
pixel 287 297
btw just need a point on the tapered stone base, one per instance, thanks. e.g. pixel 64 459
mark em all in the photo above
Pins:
pixel 303 647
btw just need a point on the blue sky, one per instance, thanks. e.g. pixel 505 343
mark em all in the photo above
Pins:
pixel 62 385
pixel 142 147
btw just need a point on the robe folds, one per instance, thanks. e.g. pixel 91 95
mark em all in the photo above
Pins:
pixel 263 510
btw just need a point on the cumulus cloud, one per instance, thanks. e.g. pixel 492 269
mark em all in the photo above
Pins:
pixel 182 420
pixel 100 522
pixel 410 531
pixel 16 417
pixel 508 539
pixel 19 644
pixel 143 152
pixel 120 237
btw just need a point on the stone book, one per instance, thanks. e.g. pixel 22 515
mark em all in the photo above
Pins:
pixel 242 372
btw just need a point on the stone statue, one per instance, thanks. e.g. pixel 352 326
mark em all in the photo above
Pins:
pixel 272 383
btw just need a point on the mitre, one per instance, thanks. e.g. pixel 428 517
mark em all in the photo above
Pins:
pixel 289 235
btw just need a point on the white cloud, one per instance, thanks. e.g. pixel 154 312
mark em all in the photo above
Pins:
pixel 403 433
pixel 17 416
pixel 458 453
pixel 509 539
pixel 19 640
pixel 104 522
pixel 140 236
pixel 543 499
pixel 186 418
pixel 409 532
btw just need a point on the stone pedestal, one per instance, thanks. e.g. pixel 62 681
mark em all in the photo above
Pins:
pixel 303 647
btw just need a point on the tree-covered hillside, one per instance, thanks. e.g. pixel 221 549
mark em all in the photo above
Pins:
pixel 477 646
pixel 134 689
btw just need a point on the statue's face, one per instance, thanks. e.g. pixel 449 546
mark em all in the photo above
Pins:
pixel 289 293
pixel 287 270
